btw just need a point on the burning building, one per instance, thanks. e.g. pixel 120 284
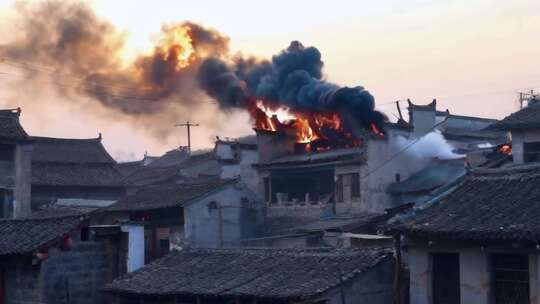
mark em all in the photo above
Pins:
pixel 310 162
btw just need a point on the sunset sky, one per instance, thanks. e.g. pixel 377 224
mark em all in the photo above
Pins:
pixel 472 55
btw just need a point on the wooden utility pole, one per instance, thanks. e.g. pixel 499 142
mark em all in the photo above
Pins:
pixel 188 125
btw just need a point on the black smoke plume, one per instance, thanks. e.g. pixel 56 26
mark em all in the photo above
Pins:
pixel 294 78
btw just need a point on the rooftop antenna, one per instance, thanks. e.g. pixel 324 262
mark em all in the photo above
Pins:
pixel 188 126
pixel 527 97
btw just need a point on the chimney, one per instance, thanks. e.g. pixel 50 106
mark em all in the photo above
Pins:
pixel 274 144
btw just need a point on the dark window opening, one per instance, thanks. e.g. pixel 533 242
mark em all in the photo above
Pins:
pixel 531 152
pixel 85 234
pixel 267 189
pixel 302 186
pixel 7 152
pixel 355 185
pixel 6 203
pixel 510 275
pixel 339 189
pixel 164 246
pixel 445 274
pixel 398 177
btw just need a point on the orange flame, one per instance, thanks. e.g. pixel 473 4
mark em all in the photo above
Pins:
pixel 317 131
pixel 177 46
pixel 506 149
pixel 376 130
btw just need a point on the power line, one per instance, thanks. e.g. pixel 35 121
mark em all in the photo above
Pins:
pixel 80 81
pixel 386 162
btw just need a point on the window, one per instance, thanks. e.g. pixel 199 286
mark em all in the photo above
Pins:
pixel 348 187
pixel 339 189
pixel 445 278
pixel 531 152
pixel 267 189
pixel 355 185
pixel 510 276
pixel 7 152
pixel 6 203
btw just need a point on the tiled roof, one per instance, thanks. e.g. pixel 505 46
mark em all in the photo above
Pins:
pixel 127 168
pixel 490 204
pixel 10 127
pixel 166 196
pixel 72 174
pixel 23 236
pixel 61 211
pixel 171 158
pixel 68 150
pixel 438 174
pixel 148 175
pixel 528 117
pixel 343 223
pixel 259 273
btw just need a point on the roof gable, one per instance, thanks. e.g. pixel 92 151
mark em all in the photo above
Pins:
pixel 70 150
pixel 10 126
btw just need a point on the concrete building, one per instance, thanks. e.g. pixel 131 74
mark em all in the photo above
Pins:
pixel 261 276
pixel 356 180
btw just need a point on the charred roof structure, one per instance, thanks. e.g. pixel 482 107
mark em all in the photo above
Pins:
pixel 273 276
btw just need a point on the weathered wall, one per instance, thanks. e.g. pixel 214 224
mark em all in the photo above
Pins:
pixel 135 257
pixel 21 281
pixel 422 120
pixel 384 161
pixel 475 274
pixel 520 137
pixel 420 276
pixel 75 275
pixel 23 176
pixel 222 219
pixel 272 145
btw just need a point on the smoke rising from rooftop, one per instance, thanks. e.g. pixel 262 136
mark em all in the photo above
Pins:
pixel 294 77
pixel 82 54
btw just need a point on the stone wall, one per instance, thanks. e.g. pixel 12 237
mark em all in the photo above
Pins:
pixel 76 274
pixel 72 276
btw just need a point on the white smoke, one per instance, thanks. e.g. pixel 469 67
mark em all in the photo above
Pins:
pixel 430 146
